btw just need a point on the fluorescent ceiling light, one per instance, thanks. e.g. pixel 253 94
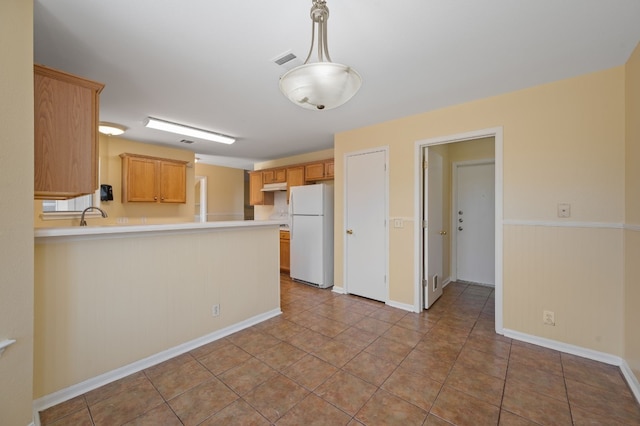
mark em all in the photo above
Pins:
pixel 111 129
pixel 181 129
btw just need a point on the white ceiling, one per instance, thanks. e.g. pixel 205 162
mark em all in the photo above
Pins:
pixel 208 63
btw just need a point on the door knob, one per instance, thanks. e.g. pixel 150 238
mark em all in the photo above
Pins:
pixel 459 228
pixel 349 231
pixel 443 232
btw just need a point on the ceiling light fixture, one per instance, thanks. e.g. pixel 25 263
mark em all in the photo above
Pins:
pixel 111 129
pixel 323 84
pixel 181 129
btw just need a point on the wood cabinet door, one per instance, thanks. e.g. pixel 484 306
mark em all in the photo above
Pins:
pixel 256 196
pixel 295 177
pixel 328 170
pixel 280 176
pixel 268 176
pixel 139 180
pixel 173 182
pixel 274 176
pixel 314 171
pixel 65 134
pixel 285 254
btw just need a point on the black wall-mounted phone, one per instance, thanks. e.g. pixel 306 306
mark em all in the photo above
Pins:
pixel 106 193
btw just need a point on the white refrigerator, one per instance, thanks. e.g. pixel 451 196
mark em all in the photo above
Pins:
pixel 311 234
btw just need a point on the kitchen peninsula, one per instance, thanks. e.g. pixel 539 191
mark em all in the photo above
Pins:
pixel 111 300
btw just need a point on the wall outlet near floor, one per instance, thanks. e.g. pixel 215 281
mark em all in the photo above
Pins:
pixel 548 318
pixel 215 310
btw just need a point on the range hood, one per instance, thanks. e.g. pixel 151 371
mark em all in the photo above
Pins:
pixel 270 187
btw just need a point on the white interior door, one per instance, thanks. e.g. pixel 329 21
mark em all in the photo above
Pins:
pixel 365 225
pixel 433 232
pixel 475 223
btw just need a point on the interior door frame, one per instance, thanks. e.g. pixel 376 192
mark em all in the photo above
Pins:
pixel 497 134
pixel 345 261
pixel 202 215
pixel 454 208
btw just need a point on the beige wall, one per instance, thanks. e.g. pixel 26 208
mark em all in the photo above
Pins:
pixel 16 195
pixel 111 174
pixel 225 191
pixel 563 142
pixel 632 213
pixel 103 303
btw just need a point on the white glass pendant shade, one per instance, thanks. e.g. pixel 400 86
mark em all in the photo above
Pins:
pixel 320 85
pixel 324 84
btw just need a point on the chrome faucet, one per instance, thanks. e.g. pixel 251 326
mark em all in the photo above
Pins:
pixel 84 222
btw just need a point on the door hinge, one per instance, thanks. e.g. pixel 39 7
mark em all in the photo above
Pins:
pixel 425 164
pixel 424 223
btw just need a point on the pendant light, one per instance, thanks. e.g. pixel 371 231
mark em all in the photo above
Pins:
pixel 323 84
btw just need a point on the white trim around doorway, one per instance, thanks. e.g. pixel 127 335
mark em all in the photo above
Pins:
pixel 497 134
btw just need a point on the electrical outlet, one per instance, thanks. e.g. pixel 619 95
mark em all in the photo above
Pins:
pixel 548 318
pixel 215 310
pixel 564 210
pixel 398 223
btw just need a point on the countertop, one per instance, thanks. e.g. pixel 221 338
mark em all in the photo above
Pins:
pixel 124 230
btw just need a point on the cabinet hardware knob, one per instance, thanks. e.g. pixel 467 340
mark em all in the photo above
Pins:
pixel 459 228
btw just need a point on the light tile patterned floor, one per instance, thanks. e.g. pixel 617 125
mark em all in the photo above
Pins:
pixel 342 360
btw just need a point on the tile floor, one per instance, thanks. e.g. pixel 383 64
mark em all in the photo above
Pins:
pixel 332 359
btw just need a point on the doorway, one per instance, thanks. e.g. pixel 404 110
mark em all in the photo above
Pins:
pixel 200 205
pixel 421 247
pixel 473 242
pixel 366 212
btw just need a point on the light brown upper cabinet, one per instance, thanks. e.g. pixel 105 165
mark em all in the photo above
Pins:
pixel 256 196
pixel 295 177
pixel 66 111
pixel 274 176
pixel 318 171
pixel 153 180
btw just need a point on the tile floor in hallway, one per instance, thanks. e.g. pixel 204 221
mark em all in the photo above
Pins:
pixel 333 359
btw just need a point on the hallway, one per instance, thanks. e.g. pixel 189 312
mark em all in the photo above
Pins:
pixel 333 359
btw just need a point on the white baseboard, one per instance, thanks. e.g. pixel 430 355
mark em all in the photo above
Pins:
pixel 606 358
pixel 399 305
pixel 339 290
pixel 632 380
pixel 113 375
